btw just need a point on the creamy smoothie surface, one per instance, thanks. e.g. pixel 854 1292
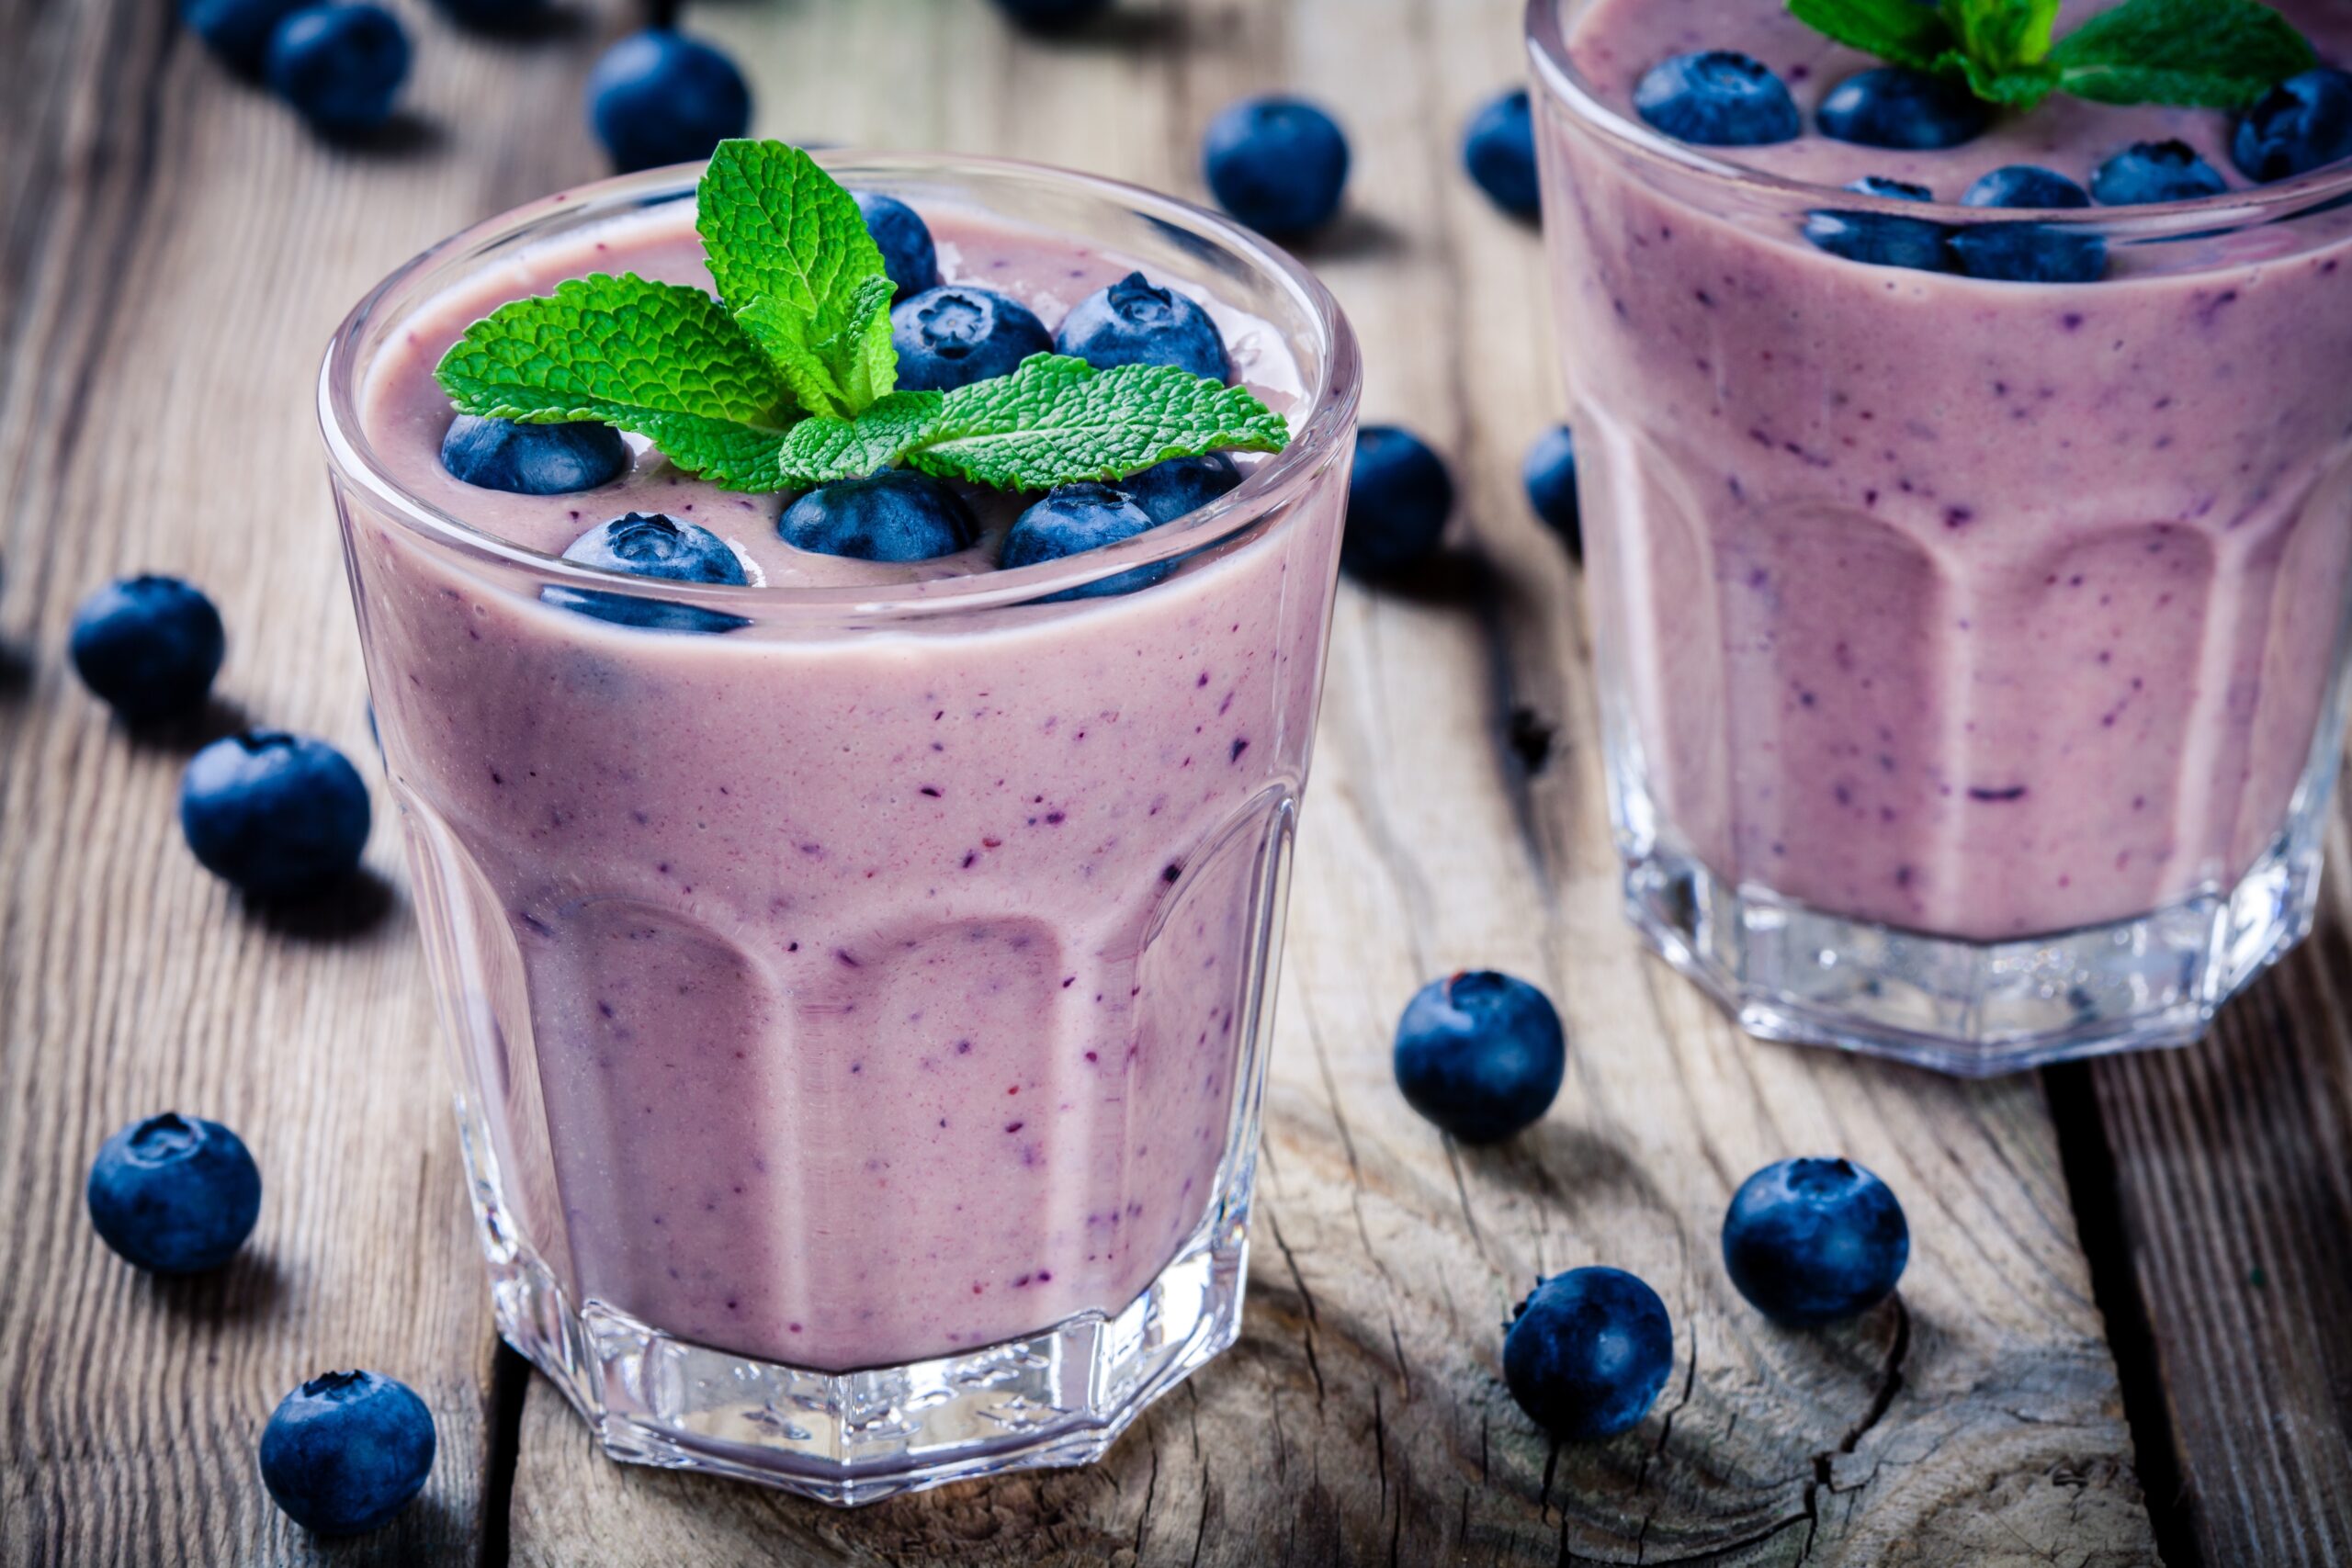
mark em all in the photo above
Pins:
pixel 1975 608
pixel 854 993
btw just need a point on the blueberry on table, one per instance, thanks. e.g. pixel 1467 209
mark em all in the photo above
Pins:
pixel 533 459
pixel 1180 485
pixel 1892 106
pixel 1045 16
pixel 149 647
pixel 2303 123
pixel 1481 1055
pixel 237 31
pixel 1072 519
pixel 1498 151
pixel 951 336
pixel 1549 474
pixel 648 544
pixel 1135 321
pixel 340 66
pixel 2149 171
pixel 277 814
pixel 346 1451
pixel 2025 185
pixel 908 254
pixel 1587 1353
pixel 898 516
pixel 1279 165
pixel 1716 97
pixel 1399 496
pixel 658 98
pixel 1813 1241
pixel 1882 239
pixel 173 1194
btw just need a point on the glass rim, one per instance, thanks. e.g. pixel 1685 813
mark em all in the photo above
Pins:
pixel 1333 392
pixel 1555 73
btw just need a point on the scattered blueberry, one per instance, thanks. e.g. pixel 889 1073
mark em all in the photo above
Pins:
pixel 1046 15
pixel 2025 185
pixel 1279 165
pixel 1399 496
pixel 898 516
pixel 237 31
pixel 1882 239
pixel 1499 150
pixel 533 459
pixel 2300 125
pixel 1549 474
pixel 173 1194
pixel 1180 485
pixel 1890 105
pixel 149 647
pixel 1587 1353
pixel 493 16
pixel 1716 97
pixel 952 336
pixel 908 254
pixel 657 97
pixel 345 1452
pixel 2155 171
pixel 1134 322
pixel 276 813
pixel 340 66
pixel 1481 1055
pixel 1811 1241
pixel 651 545
pixel 1074 518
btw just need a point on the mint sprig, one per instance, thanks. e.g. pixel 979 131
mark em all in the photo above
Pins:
pixel 788 378
pixel 2200 53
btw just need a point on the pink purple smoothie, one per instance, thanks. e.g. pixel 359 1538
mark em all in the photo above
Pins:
pixel 846 996
pixel 1979 608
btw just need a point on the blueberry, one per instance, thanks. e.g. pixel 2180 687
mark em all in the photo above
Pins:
pixel 2025 185
pixel 346 1450
pixel 1134 322
pixel 2300 125
pixel 1716 97
pixel 533 459
pixel 651 545
pixel 276 813
pixel 1279 165
pixel 149 647
pixel 237 31
pixel 952 336
pixel 1890 106
pixel 1811 1241
pixel 1499 150
pixel 899 516
pixel 494 15
pixel 2028 252
pixel 1399 496
pixel 908 254
pixel 2155 171
pixel 340 66
pixel 1481 1055
pixel 1180 485
pixel 1046 15
pixel 1549 474
pixel 1587 1353
pixel 1880 239
pixel 1074 518
pixel 173 1194
pixel 657 97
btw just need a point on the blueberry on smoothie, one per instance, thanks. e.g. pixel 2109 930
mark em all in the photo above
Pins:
pixel 1812 1241
pixel 1890 106
pixel 1880 239
pixel 1481 1055
pixel 2027 252
pixel 340 66
pixel 1135 322
pixel 1180 485
pixel 1046 15
pixel 2024 185
pixel 2155 171
pixel 657 97
pixel 1279 165
pixel 1074 518
pixel 1399 496
pixel 908 254
pixel 898 515
pixel 237 31
pixel 952 336
pixel 173 1194
pixel 346 1451
pixel 533 459
pixel 1716 97
pixel 644 543
pixel 1499 150
pixel 277 814
pixel 1587 1353
pixel 1549 474
pixel 149 647
pixel 2300 125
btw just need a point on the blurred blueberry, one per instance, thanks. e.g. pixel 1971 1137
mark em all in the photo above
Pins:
pixel 1890 105
pixel 957 334
pixel 1812 1241
pixel 1277 163
pixel 1180 485
pixel 649 544
pixel 1717 97
pixel 2149 171
pixel 494 15
pixel 237 31
pixel 657 97
pixel 173 1194
pixel 1499 150
pixel 1399 496
pixel 1549 474
pixel 898 515
pixel 908 254
pixel 1880 239
pixel 340 66
pixel 1047 16
pixel 1588 1352
pixel 346 1451
pixel 1073 519
pixel 533 459
pixel 1134 322
pixel 2303 123
pixel 2025 185
pixel 276 813
pixel 149 647
pixel 1480 1054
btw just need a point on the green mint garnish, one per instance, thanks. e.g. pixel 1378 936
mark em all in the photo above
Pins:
pixel 789 378
pixel 2201 53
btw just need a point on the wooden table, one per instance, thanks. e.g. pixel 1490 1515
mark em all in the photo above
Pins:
pixel 2128 1321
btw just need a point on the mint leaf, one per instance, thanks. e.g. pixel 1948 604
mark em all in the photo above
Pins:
pixel 2021 88
pixel 838 375
pixel 661 359
pixel 2211 53
pixel 1999 36
pixel 823 449
pixel 1903 32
